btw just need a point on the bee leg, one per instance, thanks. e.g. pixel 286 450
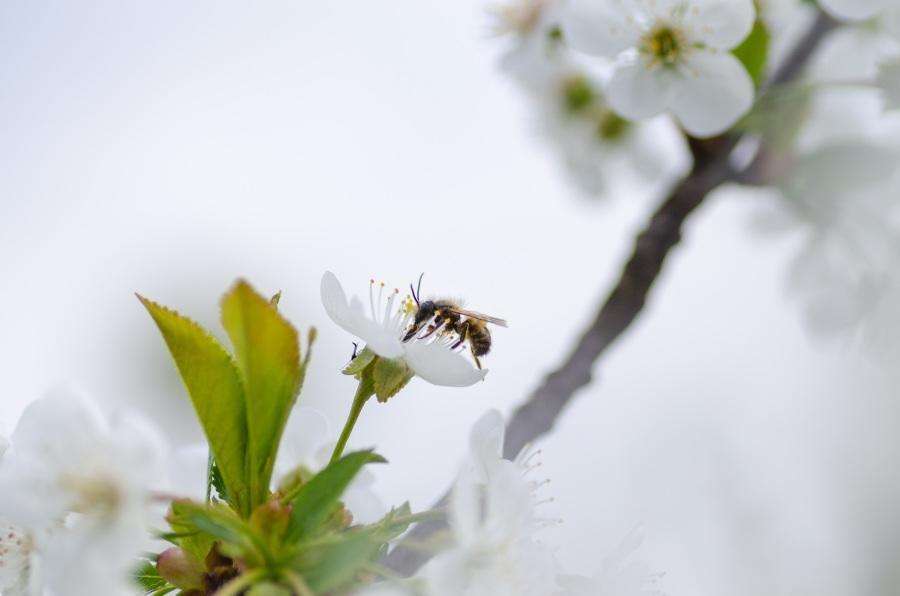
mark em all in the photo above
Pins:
pixel 464 331
pixel 437 324
pixel 477 361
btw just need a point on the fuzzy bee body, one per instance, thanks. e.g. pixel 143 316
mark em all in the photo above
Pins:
pixel 447 316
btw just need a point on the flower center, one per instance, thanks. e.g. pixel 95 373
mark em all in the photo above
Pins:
pixel 92 494
pixel 578 94
pixel 611 126
pixel 664 45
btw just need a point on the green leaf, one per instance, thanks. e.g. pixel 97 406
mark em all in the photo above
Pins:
pixel 268 589
pixel 267 350
pixel 186 534
pixel 223 524
pixel 359 364
pixel 217 482
pixel 390 376
pixel 754 52
pixel 216 390
pixel 148 578
pixel 317 499
pixel 338 564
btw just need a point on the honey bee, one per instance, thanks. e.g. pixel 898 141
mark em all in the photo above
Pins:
pixel 445 315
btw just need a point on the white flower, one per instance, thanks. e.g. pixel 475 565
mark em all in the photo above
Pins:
pixel 889 84
pixel 672 55
pixel 305 443
pixel 384 326
pixel 619 575
pixel 858 10
pixel 78 484
pixel 493 525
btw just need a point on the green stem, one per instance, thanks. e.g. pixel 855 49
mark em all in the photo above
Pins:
pixel 297 584
pixel 363 393
pixel 240 583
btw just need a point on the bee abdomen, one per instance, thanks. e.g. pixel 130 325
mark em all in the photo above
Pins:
pixel 480 342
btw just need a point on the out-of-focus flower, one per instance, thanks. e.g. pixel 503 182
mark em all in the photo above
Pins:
pixel 384 326
pixel 671 56
pixel 619 575
pixel 889 84
pixel 598 148
pixel 77 485
pixel 305 444
pixel 493 525
pixel 858 10
pixel 842 197
pixel 16 547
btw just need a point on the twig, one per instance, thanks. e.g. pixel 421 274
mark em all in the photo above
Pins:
pixel 537 415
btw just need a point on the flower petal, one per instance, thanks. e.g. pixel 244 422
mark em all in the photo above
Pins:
pixel 351 318
pixel 854 9
pixel 486 442
pixel 600 27
pixel 439 365
pixel 720 24
pixel 714 92
pixel 638 90
pixel 305 432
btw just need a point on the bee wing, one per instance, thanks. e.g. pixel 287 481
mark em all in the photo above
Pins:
pixel 478 315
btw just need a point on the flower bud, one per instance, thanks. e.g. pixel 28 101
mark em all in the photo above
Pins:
pixel 180 569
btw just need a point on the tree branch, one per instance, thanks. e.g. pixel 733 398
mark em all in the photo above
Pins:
pixel 712 167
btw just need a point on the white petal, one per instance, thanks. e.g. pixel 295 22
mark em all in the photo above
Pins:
pixel 854 9
pixel 486 442
pixel 306 431
pixel 720 24
pixel 600 27
pixel 351 318
pixel 438 365
pixel 714 92
pixel 889 83
pixel 638 90
pixel 15 545
pixel 187 471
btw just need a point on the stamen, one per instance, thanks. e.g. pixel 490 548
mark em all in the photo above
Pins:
pixel 371 300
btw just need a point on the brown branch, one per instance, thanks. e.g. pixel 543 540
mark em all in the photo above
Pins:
pixel 537 415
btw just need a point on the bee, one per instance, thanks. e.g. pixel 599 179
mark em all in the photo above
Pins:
pixel 445 315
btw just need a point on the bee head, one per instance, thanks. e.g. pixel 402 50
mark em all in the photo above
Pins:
pixel 424 313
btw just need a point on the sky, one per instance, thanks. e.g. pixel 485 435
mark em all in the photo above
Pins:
pixel 170 148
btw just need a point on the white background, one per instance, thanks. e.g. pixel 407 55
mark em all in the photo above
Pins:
pixel 170 147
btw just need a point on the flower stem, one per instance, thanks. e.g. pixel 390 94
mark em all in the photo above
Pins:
pixel 297 584
pixel 240 583
pixel 363 393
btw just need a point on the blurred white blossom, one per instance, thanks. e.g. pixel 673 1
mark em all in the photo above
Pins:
pixel 384 326
pixel 858 10
pixel 493 525
pixel 306 444
pixel 889 84
pixel 620 575
pixel 76 484
pixel 598 148
pixel 670 56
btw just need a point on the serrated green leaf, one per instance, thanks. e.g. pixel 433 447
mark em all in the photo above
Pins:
pixel 754 52
pixel 359 364
pixel 216 390
pixel 389 377
pixel 338 564
pixel 267 350
pixel 148 578
pixel 316 500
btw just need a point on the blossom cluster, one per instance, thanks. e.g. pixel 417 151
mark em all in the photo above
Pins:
pixel 99 504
